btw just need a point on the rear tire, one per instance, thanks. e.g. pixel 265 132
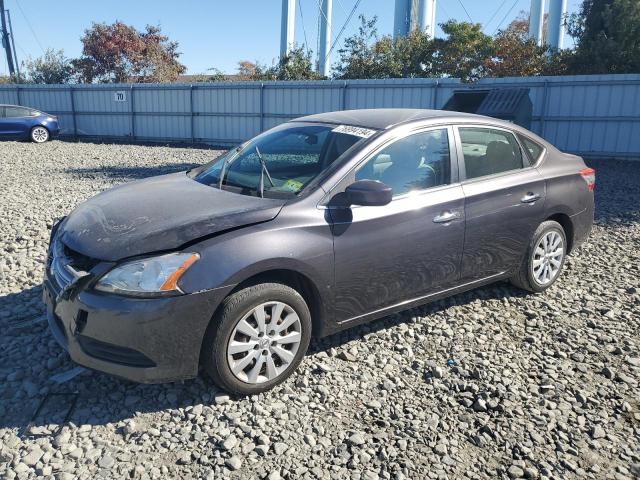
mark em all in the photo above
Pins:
pixel 39 134
pixel 257 338
pixel 544 259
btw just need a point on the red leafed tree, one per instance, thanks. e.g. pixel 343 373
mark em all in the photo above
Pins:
pixel 119 53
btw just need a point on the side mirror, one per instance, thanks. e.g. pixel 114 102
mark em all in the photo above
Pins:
pixel 368 193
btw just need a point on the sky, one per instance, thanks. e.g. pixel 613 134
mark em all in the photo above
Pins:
pixel 219 33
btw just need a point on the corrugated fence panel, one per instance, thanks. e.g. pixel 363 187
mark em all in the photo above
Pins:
pixel 227 129
pixel 596 114
pixel 100 125
pixel 227 98
pixel 298 99
pixel 53 100
pixel 162 127
pixel 9 95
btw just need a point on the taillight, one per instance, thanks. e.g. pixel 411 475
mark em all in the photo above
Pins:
pixel 589 175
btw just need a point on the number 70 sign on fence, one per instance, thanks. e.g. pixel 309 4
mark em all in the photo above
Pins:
pixel 120 96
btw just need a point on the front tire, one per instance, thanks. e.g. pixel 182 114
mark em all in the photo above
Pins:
pixel 544 259
pixel 257 338
pixel 39 134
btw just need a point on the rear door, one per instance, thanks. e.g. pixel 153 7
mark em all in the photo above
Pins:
pixel 411 247
pixel 504 200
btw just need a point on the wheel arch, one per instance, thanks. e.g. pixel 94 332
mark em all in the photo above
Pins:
pixel 300 282
pixel 567 225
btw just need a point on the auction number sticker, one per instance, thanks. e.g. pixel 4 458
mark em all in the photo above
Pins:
pixel 356 131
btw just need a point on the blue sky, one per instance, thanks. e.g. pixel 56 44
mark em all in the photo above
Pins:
pixel 219 33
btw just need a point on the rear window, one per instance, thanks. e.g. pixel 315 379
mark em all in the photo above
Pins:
pixel 534 149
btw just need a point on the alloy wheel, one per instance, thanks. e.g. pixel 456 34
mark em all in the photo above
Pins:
pixel 263 344
pixel 39 134
pixel 547 257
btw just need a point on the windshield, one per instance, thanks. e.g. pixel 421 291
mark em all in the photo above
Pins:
pixel 281 161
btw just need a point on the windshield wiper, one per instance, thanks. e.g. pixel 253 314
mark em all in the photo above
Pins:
pixel 225 164
pixel 263 170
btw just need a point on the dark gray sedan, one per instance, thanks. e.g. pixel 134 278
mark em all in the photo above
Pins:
pixel 319 224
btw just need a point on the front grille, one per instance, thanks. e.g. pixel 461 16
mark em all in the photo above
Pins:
pixel 65 264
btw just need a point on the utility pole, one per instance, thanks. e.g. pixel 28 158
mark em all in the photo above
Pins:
pixel 13 44
pixel 326 12
pixel 410 15
pixel 557 14
pixel 6 43
pixel 536 21
pixel 287 27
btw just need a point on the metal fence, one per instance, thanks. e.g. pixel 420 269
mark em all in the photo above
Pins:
pixel 589 115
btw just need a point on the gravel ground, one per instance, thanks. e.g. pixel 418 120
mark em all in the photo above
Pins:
pixel 491 383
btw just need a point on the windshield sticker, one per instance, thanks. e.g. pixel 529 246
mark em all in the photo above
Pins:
pixel 292 185
pixel 356 131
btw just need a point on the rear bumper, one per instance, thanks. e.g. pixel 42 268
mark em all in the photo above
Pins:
pixel 582 224
pixel 143 340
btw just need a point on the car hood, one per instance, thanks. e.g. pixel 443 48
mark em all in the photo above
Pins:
pixel 158 213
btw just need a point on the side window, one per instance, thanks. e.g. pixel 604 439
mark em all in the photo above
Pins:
pixel 416 162
pixel 16 112
pixel 534 149
pixel 488 151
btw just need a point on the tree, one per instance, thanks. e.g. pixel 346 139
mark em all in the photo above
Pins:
pixel 607 35
pixel 120 53
pixel 515 54
pixel 365 55
pixel 53 67
pixel 246 70
pixel 296 65
pixel 463 53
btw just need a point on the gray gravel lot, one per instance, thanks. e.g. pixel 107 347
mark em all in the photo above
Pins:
pixel 491 383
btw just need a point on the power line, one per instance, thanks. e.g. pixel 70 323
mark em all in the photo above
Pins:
pixel 495 14
pixel 344 25
pixel 505 16
pixel 304 30
pixel 29 25
pixel 465 10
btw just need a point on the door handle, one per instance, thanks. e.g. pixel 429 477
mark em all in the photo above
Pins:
pixel 530 197
pixel 446 217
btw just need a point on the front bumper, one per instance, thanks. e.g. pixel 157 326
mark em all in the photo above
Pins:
pixel 143 340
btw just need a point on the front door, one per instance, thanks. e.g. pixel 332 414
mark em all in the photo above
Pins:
pixel 504 201
pixel 385 255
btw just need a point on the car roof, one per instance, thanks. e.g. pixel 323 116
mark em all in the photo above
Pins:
pixel 384 118
pixel 19 106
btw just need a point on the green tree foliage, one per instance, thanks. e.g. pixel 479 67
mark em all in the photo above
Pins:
pixel 460 54
pixel 463 52
pixel 607 34
pixel 120 53
pixel 51 68
pixel 366 55
pixel 297 65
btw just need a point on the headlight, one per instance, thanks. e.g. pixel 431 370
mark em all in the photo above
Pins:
pixel 148 276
